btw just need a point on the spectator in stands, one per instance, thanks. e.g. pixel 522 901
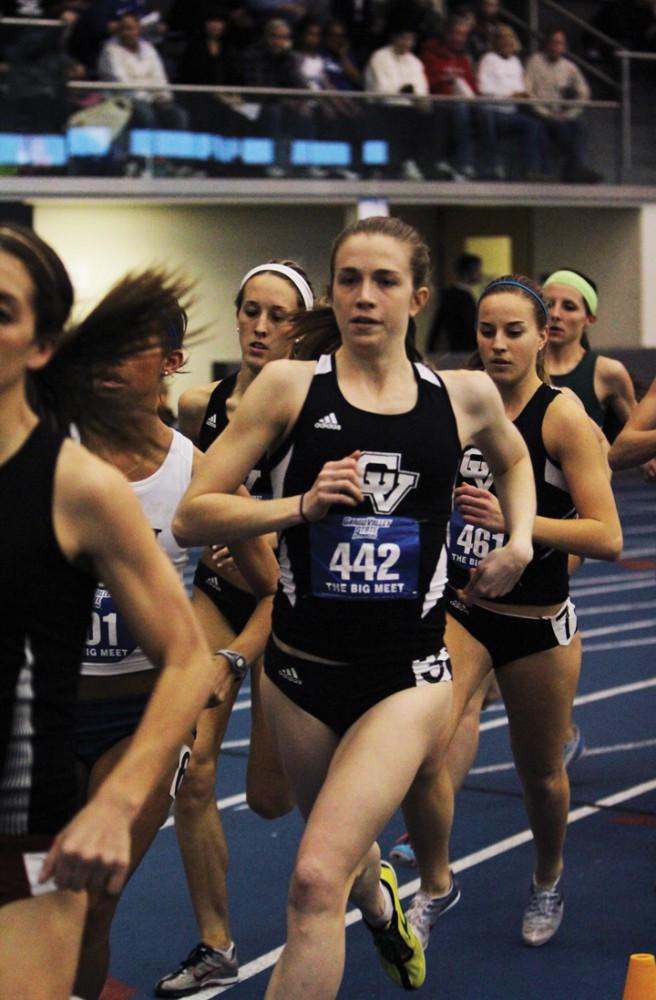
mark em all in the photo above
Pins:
pixel 38 67
pixel 450 72
pixel 127 58
pixel 455 320
pixel 423 15
pixel 187 19
pixel 394 68
pixel 550 76
pixel 291 11
pixel 207 61
pixel 271 62
pixel 340 63
pixel 95 25
pixel 364 25
pixel 487 21
pixel 501 74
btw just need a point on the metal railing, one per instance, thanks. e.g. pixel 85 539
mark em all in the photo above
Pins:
pixel 626 58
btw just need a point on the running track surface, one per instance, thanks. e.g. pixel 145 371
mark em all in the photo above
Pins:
pixel 475 952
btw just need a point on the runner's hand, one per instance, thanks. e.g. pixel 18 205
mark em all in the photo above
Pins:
pixel 338 482
pixel 479 507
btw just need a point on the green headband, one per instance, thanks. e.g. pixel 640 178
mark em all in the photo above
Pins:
pixel 578 282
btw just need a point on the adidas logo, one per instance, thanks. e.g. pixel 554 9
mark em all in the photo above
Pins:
pixel 211 421
pixel 213 582
pixel 290 674
pixel 328 423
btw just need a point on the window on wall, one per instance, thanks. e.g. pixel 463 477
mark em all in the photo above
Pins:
pixel 496 252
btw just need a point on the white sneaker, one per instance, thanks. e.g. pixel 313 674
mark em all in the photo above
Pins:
pixel 543 915
pixel 410 171
pixel 424 911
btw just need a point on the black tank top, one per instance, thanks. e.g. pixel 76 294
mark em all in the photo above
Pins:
pixel 215 420
pixel 581 381
pixel 545 580
pixel 366 583
pixel 45 607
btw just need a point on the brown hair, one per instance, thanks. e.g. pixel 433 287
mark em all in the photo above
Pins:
pixel 52 291
pixel 239 298
pixel 527 288
pixel 317 331
pixel 141 307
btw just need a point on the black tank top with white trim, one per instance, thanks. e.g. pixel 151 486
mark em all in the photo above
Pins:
pixel 545 580
pixel 216 420
pixel 366 583
pixel 45 607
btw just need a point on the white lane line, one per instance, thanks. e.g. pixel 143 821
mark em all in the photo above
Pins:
pixel 639 529
pixel 268 960
pixel 234 744
pixel 598 647
pixel 619 574
pixel 614 588
pixel 612 609
pixel 638 553
pixel 589 752
pixel 589 633
pixel 586 699
pixel 230 800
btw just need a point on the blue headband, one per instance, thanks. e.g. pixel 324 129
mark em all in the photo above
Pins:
pixel 517 284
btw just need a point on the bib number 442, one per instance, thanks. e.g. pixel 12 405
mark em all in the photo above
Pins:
pixel 371 563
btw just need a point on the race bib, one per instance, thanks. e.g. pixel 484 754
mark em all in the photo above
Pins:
pixel 468 544
pixel 365 558
pixel 108 637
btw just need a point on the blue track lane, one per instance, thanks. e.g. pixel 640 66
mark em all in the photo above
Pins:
pixel 476 952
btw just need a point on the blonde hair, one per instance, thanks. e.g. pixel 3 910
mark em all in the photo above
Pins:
pixel 505 31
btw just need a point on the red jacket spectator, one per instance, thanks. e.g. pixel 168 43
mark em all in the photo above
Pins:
pixel 446 61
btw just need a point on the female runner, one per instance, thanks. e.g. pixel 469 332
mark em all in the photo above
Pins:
pixel 364 448
pixel 602 384
pixel 636 442
pixel 124 350
pixel 81 522
pixel 268 295
pixel 529 636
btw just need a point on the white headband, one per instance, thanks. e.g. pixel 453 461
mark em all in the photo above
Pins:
pixel 296 279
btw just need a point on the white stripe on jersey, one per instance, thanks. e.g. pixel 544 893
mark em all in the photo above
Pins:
pixel 16 779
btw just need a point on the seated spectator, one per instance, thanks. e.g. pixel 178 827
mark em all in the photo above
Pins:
pixel 450 72
pixel 126 58
pixel 290 11
pixel 423 15
pixel 364 23
pixel 550 75
pixel 488 19
pixel 340 64
pixel 207 61
pixel 187 19
pixel 271 62
pixel 94 26
pixel 38 67
pixel 394 69
pixel 501 74
pixel 336 119
pixel 455 320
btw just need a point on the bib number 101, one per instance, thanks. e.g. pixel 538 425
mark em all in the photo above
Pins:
pixel 477 542
pixel 371 562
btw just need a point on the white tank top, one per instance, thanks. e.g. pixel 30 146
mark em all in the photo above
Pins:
pixel 110 647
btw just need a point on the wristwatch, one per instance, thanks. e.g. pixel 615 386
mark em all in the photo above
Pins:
pixel 236 662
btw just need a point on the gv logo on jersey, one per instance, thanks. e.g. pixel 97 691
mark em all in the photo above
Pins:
pixel 474 468
pixel 384 480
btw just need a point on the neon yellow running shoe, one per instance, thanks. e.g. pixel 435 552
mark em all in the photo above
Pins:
pixel 400 950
